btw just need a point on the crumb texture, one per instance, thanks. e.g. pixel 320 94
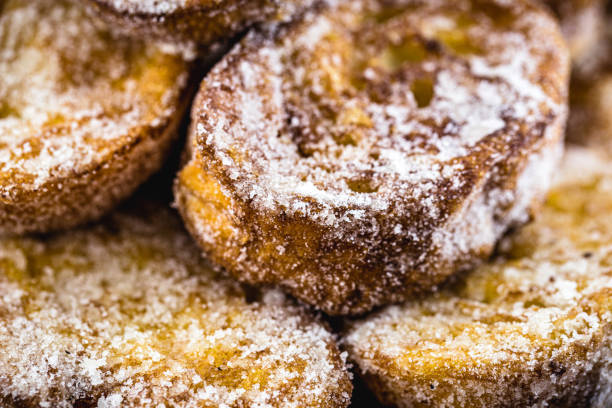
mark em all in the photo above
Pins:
pixel 531 328
pixel 339 124
pixel 379 131
pixel 126 314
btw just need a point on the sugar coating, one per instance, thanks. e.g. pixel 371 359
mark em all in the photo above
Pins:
pixel 66 104
pixel 75 99
pixel 531 328
pixel 161 7
pixel 203 22
pixel 154 6
pixel 296 159
pixel 380 128
pixel 126 314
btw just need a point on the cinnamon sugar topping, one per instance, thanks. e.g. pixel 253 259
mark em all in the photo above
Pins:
pixel 127 314
pixel 534 327
pixel 71 94
pixel 329 104
pixel 395 140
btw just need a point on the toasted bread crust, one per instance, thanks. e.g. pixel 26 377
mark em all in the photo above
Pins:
pixel 201 21
pixel 532 328
pixel 314 168
pixel 74 141
pixel 126 313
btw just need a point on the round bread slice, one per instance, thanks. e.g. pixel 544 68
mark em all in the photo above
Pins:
pixel 366 152
pixel 126 314
pixel 531 329
pixel 205 22
pixel 85 116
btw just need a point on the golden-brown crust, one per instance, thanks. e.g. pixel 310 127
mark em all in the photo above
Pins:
pixel 202 21
pixel 315 169
pixel 127 314
pixel 532 328
pixel 74 140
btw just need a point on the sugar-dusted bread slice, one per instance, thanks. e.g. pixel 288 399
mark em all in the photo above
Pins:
pixel 532 328
pixel 368 151
pixel 85 115
pixel 127 314
pixel 204 22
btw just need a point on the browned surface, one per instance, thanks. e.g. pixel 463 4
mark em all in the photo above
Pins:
pixel 127 314
pixel 302 175
pixel 201 21
pixel 85 116
pixel 532 328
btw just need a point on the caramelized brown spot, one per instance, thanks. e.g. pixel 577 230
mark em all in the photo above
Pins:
pixel 423 91
pixel 363 185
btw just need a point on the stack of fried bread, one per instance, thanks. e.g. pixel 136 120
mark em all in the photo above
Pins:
pixel 374 203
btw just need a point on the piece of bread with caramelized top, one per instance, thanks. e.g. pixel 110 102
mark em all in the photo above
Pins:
pixel 127 314
pixel 530 329
pixel 370 150
pixel 205 22
pixel 85 115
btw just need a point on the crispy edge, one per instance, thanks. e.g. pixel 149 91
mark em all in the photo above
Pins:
pixel 65 202
pixel 203 24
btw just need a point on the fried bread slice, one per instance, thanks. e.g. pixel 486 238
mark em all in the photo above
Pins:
pixel 127 314
pixel 368 151
pixel 532 328
pixel 85 115
pixel 205 22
